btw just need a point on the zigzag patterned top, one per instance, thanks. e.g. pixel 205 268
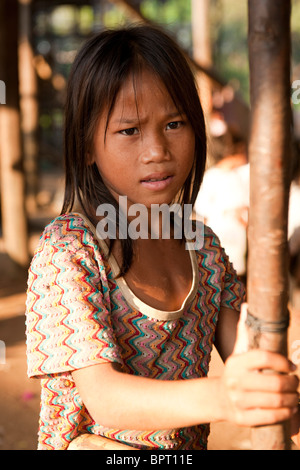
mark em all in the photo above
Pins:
pixel 78 315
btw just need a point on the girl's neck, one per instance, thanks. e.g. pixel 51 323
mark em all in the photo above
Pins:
pixel 161 274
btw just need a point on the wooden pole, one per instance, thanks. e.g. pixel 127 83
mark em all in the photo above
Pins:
pixel 12 182
pixel 269 155
pixel 28 104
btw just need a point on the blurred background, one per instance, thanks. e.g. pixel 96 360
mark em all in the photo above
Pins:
pixel 38 42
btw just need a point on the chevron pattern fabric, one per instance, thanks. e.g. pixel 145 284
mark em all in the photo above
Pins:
pixel 78 315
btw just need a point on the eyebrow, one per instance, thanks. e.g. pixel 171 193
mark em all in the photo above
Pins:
pixel 125 120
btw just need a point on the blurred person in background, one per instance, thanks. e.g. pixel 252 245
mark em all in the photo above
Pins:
pixel 223 199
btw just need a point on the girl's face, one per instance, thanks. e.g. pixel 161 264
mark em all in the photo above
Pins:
pixel 149 147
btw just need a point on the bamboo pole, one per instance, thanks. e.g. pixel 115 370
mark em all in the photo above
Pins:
pixel 269 155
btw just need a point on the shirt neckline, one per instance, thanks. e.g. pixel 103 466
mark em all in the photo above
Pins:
pixel 131 297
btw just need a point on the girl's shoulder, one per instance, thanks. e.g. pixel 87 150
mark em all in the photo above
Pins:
pixel 210 238
pixel 71 231
pixel 209 249
pixel 218 271
pixel 205 237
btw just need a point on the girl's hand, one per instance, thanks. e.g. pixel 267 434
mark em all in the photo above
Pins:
pixel 251 397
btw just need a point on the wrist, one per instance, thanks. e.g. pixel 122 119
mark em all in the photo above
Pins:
pixel 218 400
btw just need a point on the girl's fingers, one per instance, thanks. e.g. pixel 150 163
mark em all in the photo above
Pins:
pixel 258 359
pixel 262 417
pixel 274 383
pixel 266 400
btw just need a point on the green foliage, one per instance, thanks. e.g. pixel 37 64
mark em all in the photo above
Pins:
pixel 229 35
pixel 171 11
pixel 228 19
pixel 114 17
pixel 229 22
pixel 295 20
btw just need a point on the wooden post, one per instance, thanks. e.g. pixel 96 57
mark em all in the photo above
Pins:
pixel 269 155
pixel 28 104
pixel 12 182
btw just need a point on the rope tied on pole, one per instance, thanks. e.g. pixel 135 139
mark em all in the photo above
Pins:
pixel 259 325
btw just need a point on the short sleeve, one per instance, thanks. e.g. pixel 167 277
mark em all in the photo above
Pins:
pixel 222 276
pixel 233 291
pixel 68 323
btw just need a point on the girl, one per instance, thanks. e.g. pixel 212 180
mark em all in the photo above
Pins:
pixel 121 330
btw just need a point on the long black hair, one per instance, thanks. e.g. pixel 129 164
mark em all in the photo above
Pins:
pixel 100 69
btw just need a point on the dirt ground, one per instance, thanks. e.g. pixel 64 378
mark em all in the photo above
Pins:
pixel 19 396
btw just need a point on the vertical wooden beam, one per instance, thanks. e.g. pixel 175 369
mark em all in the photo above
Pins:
pixel 269 155
pixel 28 104
pixel 12 182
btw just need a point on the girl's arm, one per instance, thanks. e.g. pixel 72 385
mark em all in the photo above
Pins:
pixel 241 395
pixel 123 401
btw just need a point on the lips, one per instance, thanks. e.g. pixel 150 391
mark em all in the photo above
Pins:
pixel 151 180
pixel 156 177
pixel 157 181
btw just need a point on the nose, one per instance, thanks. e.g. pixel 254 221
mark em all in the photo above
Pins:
pixel 155 149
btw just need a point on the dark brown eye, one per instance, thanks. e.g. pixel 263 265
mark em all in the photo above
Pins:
pixel 174 125
pixel 130 131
